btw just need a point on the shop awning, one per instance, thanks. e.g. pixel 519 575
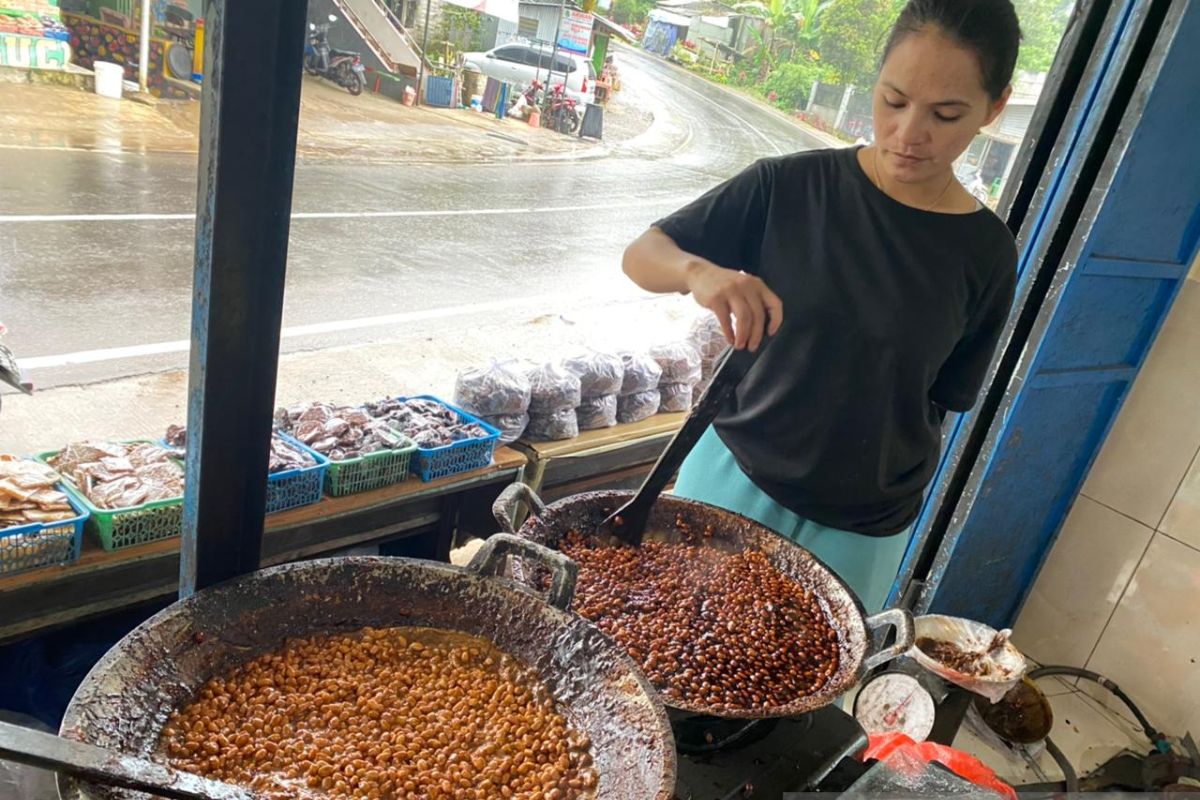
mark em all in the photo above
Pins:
pixel 612 28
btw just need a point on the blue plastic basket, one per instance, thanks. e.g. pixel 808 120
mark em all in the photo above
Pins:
pixel 440 462
pixel 43 544
pixel 294 487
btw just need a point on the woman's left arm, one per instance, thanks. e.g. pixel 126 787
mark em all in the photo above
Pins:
pixel 961 377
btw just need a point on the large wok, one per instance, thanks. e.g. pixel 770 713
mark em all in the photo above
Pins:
pixel 857 633
pixel 124 701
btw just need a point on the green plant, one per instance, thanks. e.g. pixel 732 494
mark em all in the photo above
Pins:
pixel 792 82
pixel 461 27
pixel 853 33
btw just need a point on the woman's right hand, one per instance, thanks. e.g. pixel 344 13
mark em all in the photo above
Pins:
pixel 744 305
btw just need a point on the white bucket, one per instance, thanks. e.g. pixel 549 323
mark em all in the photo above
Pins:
pixel 109 79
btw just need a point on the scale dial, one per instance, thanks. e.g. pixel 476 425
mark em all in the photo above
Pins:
pixel 895 701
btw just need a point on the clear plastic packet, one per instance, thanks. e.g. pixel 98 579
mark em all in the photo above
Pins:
pixel 642 373
pixel 706 336
pixel 679 361
pixel 599 373
pixel 552 427
pixel 511 426
pixel 595 413
pixel 553 387
pixel 497 389
pixel 676 397
pixel 638 406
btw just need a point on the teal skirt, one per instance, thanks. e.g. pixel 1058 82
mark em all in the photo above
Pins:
pixel 868 564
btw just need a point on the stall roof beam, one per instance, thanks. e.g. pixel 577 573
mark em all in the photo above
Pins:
pixel 249 112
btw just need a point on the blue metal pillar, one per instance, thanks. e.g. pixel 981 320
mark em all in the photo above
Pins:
pixel 249 113
pixel 1102 261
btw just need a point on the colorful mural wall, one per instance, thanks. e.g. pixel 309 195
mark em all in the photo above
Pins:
pixel 30 52
pixel 93 40
pixel 32 35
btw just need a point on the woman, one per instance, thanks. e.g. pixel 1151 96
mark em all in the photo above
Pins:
pixel 883 285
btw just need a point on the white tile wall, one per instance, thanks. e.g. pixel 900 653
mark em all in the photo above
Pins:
pixel 1120 592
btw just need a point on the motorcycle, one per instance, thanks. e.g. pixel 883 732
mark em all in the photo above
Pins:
pixel 10 373
pixel 972 181
pixel 563 111
pixel 343 67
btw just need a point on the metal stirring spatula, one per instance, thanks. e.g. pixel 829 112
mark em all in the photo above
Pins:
pixel 628 523
pixel 69 757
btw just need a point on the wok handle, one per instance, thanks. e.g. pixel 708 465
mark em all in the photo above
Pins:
pixel 505 507
pixel 902 621
pixel 490 560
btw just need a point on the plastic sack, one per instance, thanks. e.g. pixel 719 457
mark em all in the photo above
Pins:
pixel 642 373
pixel 499 389
pixel 998 668
pixel 511 426
pixel 552 427
pixel 595 413
pixel 905 768
pixel 675 397
pixel 708 339
pixel 553 387
pixel 679 361
pixel 599 374
pixel 638 406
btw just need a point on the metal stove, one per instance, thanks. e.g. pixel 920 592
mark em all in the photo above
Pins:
pixel 733 759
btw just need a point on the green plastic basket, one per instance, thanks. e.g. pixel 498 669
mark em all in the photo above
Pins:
pixel 125 527
pixel 372 471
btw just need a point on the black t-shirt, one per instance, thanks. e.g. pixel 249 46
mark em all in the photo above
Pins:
pixel 890 313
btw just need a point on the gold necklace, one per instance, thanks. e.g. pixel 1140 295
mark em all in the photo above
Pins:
pixel 879 183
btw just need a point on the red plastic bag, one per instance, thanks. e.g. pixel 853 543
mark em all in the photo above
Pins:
pixel 964 765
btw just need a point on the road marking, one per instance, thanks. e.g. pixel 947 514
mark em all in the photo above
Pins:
pixel 313 329
pixel 461 212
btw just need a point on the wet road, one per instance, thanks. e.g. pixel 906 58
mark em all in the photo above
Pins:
pixel 96 249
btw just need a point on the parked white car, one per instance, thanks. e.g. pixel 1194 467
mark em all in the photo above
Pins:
pixel 521 64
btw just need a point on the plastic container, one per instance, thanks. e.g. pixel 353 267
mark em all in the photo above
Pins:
pixel 110 79
pixel 372 471
pixel 298 487
pixel 42 544
pixel 453 459
pixel 118 528
pixel 291 488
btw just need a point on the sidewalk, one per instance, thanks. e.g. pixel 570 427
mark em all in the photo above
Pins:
pixel 333 126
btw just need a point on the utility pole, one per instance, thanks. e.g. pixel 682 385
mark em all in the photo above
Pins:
pixel 144 49
pixel 424 47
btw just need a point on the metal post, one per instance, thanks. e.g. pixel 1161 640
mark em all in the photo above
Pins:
pixel 249 112
pixel 424 45
pixel 562 6
pixel 144 49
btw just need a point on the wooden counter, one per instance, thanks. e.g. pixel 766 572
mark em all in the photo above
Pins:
pixel 101 582
pixel 611 458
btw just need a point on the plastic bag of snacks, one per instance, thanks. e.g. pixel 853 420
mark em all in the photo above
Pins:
pixel 675 397
pixel 599 374
pixel 597 412
pixel 554 426
pixel 708 339
pixel 638 406
pixel 498 389
pixel 511 426
pixel 679 361
pixel 553 388
pixel 642 373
